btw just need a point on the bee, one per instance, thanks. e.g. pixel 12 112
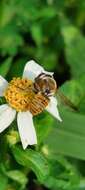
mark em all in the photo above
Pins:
pixel 44 87
pixel 45 84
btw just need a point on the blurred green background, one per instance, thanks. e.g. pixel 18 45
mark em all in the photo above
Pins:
pixel 52 32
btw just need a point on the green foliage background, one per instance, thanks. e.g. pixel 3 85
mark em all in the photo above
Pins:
pixel 52 32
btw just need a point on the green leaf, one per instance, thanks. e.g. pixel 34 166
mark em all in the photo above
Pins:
pixel 43 123
pixel 68 137
pixel 47 12
pixel 33 160
pixel 82 105
pixel 5 66
pixel 74 48
pixel 10 39
pixel 3 181
pixel 36 31
pixel 54 184
pixel 17 68
pixel 6 13
pixel 17 176
pixel 73 90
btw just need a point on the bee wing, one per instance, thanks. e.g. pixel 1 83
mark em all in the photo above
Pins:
pixel 66 101
pixel 38 104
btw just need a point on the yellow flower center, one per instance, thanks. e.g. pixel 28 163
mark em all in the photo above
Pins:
pixel 21 96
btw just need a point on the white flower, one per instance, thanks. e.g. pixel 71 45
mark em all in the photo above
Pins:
pixel 24 119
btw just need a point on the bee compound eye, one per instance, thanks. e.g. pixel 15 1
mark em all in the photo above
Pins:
pixel 47 91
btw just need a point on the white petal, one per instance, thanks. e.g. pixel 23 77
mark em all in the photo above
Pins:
pixel 3 85
pixel 52 108
pixel 32 70
pixel 7 115
pixel 26 129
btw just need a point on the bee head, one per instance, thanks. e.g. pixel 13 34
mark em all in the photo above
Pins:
pixel 45 84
